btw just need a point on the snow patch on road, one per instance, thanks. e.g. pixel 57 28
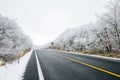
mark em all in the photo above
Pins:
pixel 15 71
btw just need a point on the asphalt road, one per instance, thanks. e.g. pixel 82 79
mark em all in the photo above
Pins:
pixel 66 66
pixel 31 72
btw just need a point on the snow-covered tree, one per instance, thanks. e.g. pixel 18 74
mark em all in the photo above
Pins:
pixel 12 39
pixel 108 27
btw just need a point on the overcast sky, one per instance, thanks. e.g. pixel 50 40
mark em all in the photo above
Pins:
pixel 44 20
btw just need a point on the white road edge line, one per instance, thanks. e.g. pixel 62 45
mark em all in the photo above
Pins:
pixel 39 68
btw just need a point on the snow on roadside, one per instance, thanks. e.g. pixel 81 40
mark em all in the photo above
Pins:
pixel 0 62
pixel 15 71
pixel 92 55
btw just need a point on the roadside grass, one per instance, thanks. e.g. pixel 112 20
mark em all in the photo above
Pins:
pixel 112 54
pixel 2 62
pixel 9 58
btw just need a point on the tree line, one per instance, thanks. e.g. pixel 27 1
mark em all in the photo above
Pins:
pixel 103 35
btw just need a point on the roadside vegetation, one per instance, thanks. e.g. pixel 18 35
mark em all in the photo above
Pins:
pixel 13 42
pixel 101 37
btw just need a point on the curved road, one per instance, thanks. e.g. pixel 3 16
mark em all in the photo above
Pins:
pixel 67 66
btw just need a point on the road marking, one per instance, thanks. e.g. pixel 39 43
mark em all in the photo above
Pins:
pixel 39 68
pixel 91 66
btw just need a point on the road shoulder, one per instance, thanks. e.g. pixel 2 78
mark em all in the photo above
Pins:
pixel 90 55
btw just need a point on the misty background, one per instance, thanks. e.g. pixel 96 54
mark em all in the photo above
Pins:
pixel 44 20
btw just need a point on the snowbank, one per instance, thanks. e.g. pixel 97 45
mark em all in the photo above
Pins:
pixel 14 71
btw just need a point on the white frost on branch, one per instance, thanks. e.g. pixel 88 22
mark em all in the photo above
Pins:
pixel 12 39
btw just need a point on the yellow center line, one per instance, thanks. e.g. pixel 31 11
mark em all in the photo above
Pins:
pixel 91 66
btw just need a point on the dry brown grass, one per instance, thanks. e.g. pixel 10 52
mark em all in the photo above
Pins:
pixel 113 54
pixel 11 58
pixel 101 53
pixel 3 62
pixel 23 53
